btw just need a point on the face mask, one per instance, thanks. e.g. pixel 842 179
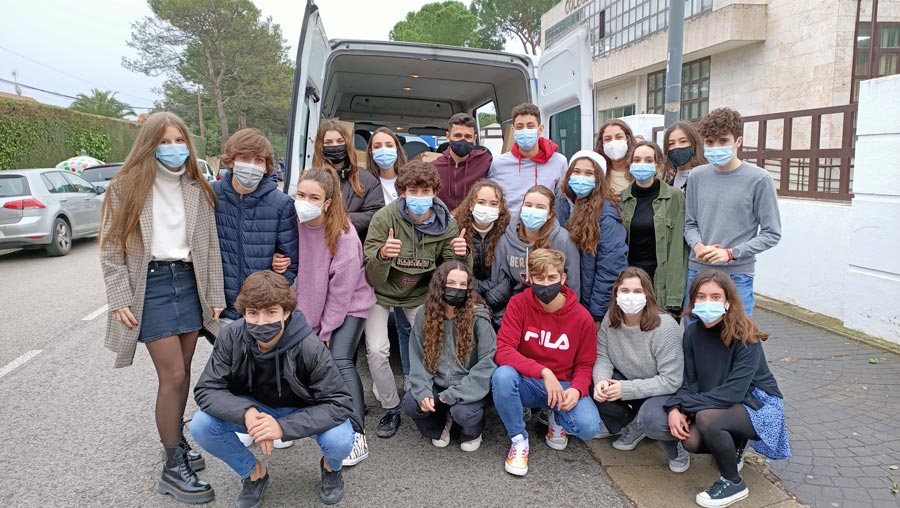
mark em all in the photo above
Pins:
pixel 455 297
pixel 526 138
pixel 547 293
pixel 419 205
pixel 265 333
pixel 248 175
pixel 718 156
pixel 172 156
pixel 484 214
pixel 642 172
pixel 306 211
pixel 615 149
pixel 681 156
pixel 582 185
pixel 631 303
pixel 461 148
pixel 385 157
pixel 335 153
pixel 533 218
pixel 708 311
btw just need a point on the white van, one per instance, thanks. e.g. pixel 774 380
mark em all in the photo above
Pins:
pixel 416 88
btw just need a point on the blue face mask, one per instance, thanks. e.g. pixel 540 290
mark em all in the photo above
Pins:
pixel 172 156
pixel 719 156
pixel 385 157
pixel 419 205
pixel 533 218
pixel 642 172
pixel 708 311
pixel 526 138
pixel 582 185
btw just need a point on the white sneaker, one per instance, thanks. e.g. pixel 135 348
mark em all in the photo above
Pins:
pixel 246 440
pixel 359 452
pixel 283 444
pixel 445 434
pixel 517 458
pixel 556 436
pixel 470 446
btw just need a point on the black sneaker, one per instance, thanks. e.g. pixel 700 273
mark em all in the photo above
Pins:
pixel 332 490
pixel 722 493
pixel 388 424
pixel 251 492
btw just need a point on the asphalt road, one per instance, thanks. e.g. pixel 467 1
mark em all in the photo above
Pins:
pixel 77 432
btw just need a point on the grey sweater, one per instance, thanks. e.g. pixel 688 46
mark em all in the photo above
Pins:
pixel 652 361
pixel 736 209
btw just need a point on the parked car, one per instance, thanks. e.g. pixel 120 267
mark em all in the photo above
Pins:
pixel 101 175
pixel 47 208
pixel 206 170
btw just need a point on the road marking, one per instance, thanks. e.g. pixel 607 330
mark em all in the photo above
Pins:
pixel 18 362
pixel 93 315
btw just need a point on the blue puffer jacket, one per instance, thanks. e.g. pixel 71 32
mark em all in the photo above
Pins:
pixel 252 228
pixel 599 273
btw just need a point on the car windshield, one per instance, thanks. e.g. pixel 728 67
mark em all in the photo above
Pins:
pixel 13 185
pixel 100 174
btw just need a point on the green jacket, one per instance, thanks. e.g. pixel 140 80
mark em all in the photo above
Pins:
pixel 403 281
pixel 671 249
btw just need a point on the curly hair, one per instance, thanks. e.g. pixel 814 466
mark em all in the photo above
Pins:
pixel 584 222
pixel 418 173
pixel 543 240
pixel 463 322
pixel 737 325
pixel 721 122
pixel 464 219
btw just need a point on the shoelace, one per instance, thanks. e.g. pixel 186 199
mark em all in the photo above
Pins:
pixel 248 487
pixel 718 487
pixel 516 452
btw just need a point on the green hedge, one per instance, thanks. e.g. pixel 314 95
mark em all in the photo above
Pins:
pixel 39 135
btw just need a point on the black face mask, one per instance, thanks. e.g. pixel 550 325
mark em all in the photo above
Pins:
pixel 546 294
pixel 335 153
pixel 455 297
pixel 461 148
pixel 265 333
pixel 681 156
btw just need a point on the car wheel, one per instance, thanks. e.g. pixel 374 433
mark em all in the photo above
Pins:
pixel 61 243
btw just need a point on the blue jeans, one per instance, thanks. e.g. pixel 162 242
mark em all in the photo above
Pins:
pixel 218 438
pixel 743 282
pixel 513 391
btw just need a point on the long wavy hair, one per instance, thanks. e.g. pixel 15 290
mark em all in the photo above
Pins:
pixel 370 159
pixel 132 184
pixel 584 222
pixel 697 159
pixel 464 219
pixel 463 323
pixel 319 160
pixel 337 221
pixel 650 315
pixel 737 326
pixel 543 239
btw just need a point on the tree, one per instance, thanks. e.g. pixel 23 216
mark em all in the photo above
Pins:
pixel 449 23
pixel 221 46
pixel 101 102
pixel 519 18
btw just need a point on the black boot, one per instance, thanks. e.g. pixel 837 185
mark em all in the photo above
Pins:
pixel 198 463
pixel 180 481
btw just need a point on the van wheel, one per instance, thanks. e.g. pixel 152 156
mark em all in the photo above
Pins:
pixel 61 243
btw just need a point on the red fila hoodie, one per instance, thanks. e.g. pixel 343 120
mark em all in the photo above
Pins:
pixel 531 339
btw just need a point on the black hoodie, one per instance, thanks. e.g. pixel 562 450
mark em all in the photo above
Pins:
pixel 297 372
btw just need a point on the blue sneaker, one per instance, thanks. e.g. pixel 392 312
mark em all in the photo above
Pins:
pixel 723 493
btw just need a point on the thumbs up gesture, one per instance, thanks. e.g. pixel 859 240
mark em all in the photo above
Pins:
pixel 459 245
pixel 391 247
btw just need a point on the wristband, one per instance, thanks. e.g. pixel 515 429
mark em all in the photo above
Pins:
pixel 730 255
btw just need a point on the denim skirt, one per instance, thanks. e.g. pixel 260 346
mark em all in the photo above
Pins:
pixel 171 302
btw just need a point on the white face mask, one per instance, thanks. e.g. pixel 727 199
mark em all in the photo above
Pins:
pixel 306 211
pixel 631 303
pixel 616 149
pixel 485 215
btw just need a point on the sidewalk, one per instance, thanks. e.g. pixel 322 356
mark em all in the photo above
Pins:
pixel 842 402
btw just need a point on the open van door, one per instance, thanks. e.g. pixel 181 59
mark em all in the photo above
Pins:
pixel 565 93
pixel 309 75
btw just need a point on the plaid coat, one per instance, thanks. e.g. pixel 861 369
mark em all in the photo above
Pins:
pixel 125 276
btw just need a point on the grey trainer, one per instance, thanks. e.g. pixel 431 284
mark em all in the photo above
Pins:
pixel 631 435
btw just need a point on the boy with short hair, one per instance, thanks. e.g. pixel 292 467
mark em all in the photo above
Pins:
pixel 731 207
pixel 532 161
pixel 463 163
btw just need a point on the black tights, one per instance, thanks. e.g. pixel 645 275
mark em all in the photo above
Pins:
pixel 719 432
pixel 172 358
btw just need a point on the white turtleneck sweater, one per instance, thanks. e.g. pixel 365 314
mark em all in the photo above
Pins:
pixel 169 240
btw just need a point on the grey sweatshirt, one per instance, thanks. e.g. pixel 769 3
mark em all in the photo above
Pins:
pixel 737 210
pixel 652 361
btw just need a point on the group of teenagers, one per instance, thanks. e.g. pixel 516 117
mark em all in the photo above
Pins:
pixel 608 294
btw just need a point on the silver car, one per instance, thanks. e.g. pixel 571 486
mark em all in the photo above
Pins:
pixel 47 208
